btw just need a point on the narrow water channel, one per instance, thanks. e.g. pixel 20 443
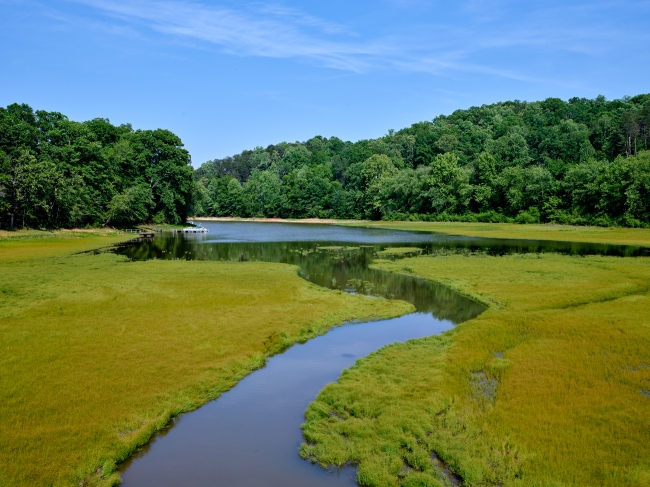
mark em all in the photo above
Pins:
pixel 251 434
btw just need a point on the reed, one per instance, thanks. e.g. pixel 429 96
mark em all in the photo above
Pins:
pixel 98 353
pixel 549 387
pixel 564 233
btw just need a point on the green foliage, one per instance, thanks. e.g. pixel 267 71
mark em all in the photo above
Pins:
pixel 638 193
pixel 578 162
pixel 448 185
pixel 58 173
pixel 509 150
pixel 134 204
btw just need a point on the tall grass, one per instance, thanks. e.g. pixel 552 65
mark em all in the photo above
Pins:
pixel 565 233
pixel 97 353
pixel 546 388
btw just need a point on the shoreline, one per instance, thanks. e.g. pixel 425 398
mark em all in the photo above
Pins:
pixel 323 221
pixel 639 237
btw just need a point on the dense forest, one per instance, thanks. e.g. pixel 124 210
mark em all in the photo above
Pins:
pixel 58 173
pixel 577 162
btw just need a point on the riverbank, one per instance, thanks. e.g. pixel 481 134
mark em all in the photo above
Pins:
pixel 98 353
pixel 318 221
pixel 563 233
pixel 549 387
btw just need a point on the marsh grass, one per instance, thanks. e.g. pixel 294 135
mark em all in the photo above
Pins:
pixel 98 353
pixel 546 388
pixel 399 252
pixel 337 248
pixel 564 233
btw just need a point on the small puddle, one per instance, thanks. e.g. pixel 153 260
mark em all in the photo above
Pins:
pixel 442 467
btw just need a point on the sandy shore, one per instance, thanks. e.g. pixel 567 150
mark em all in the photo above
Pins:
pixel 272 220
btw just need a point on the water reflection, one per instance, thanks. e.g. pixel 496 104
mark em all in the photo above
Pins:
pixel 341 264
pixel 339 257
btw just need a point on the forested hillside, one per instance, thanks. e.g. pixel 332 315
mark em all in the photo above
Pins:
pixel 58 173
pixel 576 162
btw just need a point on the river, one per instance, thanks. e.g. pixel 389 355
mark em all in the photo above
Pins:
pixel 251 434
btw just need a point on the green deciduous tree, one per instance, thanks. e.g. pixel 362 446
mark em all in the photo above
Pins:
pixel 134 204
pixel 57 172
pixel 484 178
pixel 551 160
pixel 638 193
pixel 307 191
pixel 509 150
pixel 447 188
pixel 165 165
pixel 568 141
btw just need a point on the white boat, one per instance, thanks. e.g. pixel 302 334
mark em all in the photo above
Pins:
pixel 198 229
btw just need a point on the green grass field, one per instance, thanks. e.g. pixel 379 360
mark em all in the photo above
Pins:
pixel 549 387
pixel 98 353
pixel 565 233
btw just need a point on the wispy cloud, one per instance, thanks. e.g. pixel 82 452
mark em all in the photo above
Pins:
pixel 259 30
pixel 300 18
pixel 271 30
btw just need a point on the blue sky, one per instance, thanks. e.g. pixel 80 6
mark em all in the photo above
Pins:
pixel 227 76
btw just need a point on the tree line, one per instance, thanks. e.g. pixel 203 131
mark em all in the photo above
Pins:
pixel 55 172
pixel 581 161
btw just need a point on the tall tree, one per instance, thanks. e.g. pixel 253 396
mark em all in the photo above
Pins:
pixel 630 120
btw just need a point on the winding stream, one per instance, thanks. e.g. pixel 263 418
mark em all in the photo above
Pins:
pixel 251 434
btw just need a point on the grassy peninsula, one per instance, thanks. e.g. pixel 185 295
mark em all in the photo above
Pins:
pixel 564 233
pixel 98 353
pixel 549 387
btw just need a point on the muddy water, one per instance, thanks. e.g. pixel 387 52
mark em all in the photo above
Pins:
pixel 251 434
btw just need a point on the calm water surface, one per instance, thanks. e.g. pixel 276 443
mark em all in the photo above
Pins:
pixel 251 434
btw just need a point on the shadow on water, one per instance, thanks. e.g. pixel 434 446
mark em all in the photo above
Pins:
pixel 251 434
pixel 341 263
pixel 338 257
